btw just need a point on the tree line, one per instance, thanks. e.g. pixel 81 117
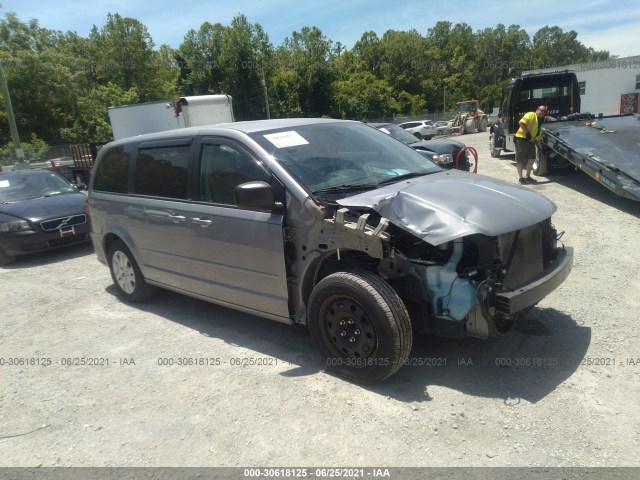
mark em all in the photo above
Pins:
pixel 61 84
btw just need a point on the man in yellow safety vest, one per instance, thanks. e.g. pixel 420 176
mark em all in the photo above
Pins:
pixel 527 137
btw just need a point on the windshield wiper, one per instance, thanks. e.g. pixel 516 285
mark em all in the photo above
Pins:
pixel 399 178
pixel 346 188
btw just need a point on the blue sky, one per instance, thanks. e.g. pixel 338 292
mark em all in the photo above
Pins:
pixel 601 24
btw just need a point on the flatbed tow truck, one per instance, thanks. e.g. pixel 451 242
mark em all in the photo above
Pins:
pixel 605 148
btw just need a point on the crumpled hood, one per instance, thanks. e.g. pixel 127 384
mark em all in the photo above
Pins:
pixel 447 205
pixel 39 209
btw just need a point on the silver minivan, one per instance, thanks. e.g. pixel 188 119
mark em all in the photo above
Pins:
pixel 326 223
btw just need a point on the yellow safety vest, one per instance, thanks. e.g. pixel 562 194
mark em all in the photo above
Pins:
pixel 530 119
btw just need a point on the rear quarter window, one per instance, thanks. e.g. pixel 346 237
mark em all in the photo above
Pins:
pixel 112 172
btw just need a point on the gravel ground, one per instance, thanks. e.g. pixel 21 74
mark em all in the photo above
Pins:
pixel 562 390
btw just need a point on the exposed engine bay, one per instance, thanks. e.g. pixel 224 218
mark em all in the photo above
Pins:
pixel 460 287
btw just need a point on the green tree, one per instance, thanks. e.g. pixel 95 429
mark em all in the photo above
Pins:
pixel 122 52
pixel 198 57
pixel 37 78
pixel 363 96
pixel 367 54
pixel 552 47
pixel 245 48
pixel 91 124
pixel 308 54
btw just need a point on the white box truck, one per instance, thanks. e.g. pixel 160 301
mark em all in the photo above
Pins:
pixel 149 117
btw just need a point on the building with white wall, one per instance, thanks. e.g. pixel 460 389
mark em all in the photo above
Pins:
pixel 610 87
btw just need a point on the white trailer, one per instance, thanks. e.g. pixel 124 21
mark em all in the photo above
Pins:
pixel 149 117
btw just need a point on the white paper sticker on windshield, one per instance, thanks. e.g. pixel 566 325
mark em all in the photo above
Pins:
pixel 385 130
pixel 4 183
pixel 286 139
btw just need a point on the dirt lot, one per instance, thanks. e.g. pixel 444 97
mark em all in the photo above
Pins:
pixel 562 390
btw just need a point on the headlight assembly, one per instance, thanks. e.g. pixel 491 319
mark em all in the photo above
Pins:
pixel 442 158
pixel 15 226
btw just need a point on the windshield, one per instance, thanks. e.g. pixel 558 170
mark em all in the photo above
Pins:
pixel 342 157
pixel 398 133
pixel 467 107
pixel 19 187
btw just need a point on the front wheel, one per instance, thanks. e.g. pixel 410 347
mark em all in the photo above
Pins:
pixel 469 126
pixel 493 150
pixel 126 274
pixel 541 163
pixel 360 325
pixel 5 258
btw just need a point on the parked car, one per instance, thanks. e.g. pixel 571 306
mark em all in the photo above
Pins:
pixel 324 223
pixel 422 129
pixel 39 210
pixel 442 127
pixel 444 152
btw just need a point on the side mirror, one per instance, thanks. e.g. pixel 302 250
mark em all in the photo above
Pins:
pixel 257 194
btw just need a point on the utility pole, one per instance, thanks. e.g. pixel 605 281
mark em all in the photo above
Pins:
pixel 10 117
pixel 266 96
pixel 444 99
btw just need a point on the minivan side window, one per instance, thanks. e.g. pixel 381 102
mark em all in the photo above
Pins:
pixel 162 171
pixel 112 174
pixel 222 169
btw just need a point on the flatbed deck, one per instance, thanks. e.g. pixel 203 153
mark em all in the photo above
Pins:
pixel 607 149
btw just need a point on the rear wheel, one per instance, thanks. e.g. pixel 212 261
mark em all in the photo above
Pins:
pixel 360 325
pixel 126 274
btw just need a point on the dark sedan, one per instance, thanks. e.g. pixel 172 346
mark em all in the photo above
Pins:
pixel 442 151
pixel 39 210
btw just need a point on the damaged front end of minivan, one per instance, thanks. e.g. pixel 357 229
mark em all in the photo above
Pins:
pixel 461 264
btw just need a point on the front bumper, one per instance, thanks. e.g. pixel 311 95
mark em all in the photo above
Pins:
pixel 21 243
pixel 518 299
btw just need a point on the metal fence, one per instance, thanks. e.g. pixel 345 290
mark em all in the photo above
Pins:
pixel 54 152
pixel 436 117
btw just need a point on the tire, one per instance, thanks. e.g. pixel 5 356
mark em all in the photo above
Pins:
pixel 493 150
pixel 5 258
pixel 470 126
pixel 126 274
pixel 360 326
pixel 483 125
pixel 541 163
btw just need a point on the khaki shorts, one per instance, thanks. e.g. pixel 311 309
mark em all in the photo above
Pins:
pixel 525 151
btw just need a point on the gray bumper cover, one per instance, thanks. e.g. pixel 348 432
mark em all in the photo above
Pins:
pixel 516 300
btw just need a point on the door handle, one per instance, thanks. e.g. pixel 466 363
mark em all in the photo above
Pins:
pixel 202 222
pixel 177 218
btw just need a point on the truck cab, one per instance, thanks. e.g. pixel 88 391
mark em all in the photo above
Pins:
pixel 559 91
